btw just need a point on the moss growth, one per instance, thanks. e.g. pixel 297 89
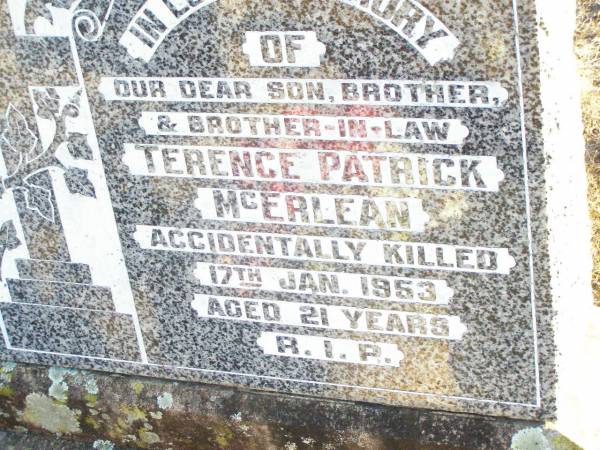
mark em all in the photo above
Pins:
pixel 90 399
pixel 223 434
pixel 6 391
pixel 91 422
pixel 133 413
pixel 222 441
pixel 137 387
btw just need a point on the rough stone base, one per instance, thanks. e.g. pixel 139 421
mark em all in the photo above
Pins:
pixel 32 441
pixel 108 412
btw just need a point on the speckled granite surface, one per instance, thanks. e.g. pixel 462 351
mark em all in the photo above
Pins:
pixel 87 210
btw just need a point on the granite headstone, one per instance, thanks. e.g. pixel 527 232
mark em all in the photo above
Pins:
pixel 337 198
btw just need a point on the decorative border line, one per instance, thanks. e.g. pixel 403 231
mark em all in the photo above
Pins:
pixel 527 205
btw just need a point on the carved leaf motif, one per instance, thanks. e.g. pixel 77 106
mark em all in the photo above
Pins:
pixel 76 98
pixel 78 146
pixel 8 235
pixel 8 240
pixel 43 9
pixel 71 109
pixel 39 199
pixel 78 182
pixel 48 102
pixel 35 9
pixel 19 139
pixel 12 158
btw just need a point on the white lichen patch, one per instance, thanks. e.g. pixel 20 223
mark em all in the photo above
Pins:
pixel 290 446
pixel 6 371
pixel 103 445
pixel 41 411
pixel 91 386
pixel 130 438
pixel 59 389
pixel 164 400
pixel 530 439
pixel 156 415
pixel 237 417
pixel 6 376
